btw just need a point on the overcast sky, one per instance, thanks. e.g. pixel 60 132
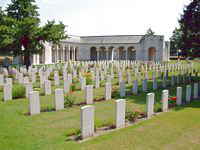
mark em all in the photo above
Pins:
pixel 113 17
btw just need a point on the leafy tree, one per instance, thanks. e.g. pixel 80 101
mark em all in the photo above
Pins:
pixel 25 35
pixel 190 27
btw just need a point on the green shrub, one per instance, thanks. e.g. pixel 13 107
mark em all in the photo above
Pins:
pixel 1 88
pixel 132 116
pixel 73 87
pixel 18 91
pixel 69 101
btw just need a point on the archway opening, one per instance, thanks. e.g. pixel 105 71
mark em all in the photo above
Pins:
pixel 152 54
pixel 131 53
pixel 93 53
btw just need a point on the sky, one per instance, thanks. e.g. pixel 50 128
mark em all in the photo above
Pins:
pixel 113 17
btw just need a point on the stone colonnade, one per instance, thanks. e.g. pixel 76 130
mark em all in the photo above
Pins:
pixel 112 53
pixel 56 54
pixel 62 53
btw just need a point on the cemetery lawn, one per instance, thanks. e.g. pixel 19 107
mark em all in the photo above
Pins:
pixel 177 129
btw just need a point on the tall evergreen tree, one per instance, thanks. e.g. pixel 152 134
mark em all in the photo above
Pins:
pixel 190 27
pixel 176 41
pixel 22 16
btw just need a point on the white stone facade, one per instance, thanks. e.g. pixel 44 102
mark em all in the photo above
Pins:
pixel 116 47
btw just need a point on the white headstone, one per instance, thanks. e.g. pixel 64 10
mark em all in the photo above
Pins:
pixel 59 99
pixel 87 121
pixel 179 96
pixel 150 105
pixel 120 113
pixel 165 97
pixel 34 103
pixel 7 92
pixel 89 94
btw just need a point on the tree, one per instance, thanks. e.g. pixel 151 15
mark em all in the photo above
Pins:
pixel 176 41
pixel 28 37
pixel 190 27
pixel 150 32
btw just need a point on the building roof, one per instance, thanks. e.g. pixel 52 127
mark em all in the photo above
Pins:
pixel 105 39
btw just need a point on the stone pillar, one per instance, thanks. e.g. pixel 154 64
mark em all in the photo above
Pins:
pixel 108 91
pixel 112 54
pixel 69 53
pixel 150 105
pixel 34 103
pixel 89 94
pixel 48 53
pixel 59 99
pixel 97 54
pixel 74 53
pixel 120 113
pixel 179 96
pixel 165 95
pixel 87 121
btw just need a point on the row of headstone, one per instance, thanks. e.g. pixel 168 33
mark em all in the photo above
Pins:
pixel 34 101
pixel 88 113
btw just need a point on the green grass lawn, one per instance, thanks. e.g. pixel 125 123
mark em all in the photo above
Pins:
pixel 177 129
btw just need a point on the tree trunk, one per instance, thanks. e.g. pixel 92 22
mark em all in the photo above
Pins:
pixel 27 60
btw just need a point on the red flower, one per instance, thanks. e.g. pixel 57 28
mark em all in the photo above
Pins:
pixel 172 98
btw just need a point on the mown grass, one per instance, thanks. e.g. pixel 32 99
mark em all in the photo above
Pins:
pixel 50 129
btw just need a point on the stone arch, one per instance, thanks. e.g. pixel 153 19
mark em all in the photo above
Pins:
pixel 122 53
pixel 131 53
pixel 93 53
pixel 152 54
pixel 102 53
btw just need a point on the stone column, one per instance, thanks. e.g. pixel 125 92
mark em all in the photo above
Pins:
pixel 120 113
pixel 112 54
pixel 87 121
pixel 98 54
pixel 126 49
pixel 74 53
pixel 68 52
pixel 48 53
